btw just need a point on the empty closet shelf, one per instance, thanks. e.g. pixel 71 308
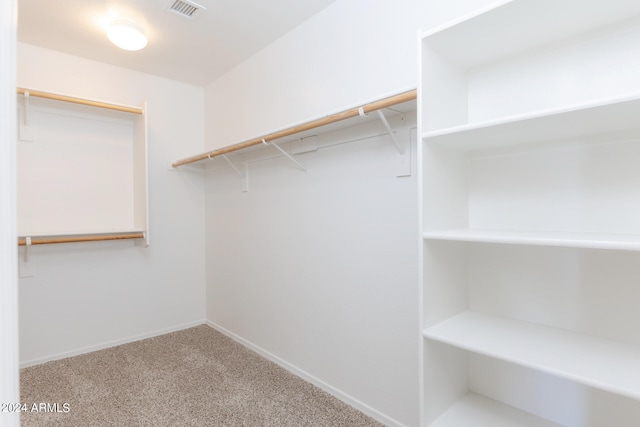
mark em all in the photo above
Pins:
pixel 74 238
pixel 604 364
pixel 82 101
pixel 479 411
pixel 540 238
pixel 571 122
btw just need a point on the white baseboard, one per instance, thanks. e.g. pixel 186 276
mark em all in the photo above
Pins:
pixel 378 416
pixel 109 344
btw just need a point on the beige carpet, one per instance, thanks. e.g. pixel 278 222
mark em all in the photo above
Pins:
pixel 195 377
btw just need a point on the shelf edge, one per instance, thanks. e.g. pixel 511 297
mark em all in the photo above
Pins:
pixel 432 333
pixel 577 240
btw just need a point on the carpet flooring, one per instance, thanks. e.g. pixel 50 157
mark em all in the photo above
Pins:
pixel 194 377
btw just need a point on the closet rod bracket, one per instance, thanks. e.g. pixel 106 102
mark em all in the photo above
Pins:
pixel 24 131
pixel 286 154
pixel 384 121
pixel 244 176
pixel 26 108
pixel 27 246
pixel 234 167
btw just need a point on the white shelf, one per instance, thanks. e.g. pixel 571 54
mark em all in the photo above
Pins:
pixel 474 410
pixel 541 238
pixel 41 234
pixel 608 365
pixel 576 121
pixel 509 27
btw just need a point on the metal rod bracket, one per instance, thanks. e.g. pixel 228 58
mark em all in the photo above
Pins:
pixel 287 155
pixel 244 176
pixel 25 131
pixel 384 121
pixel 26 248
pixel 240 174
pixel 26 108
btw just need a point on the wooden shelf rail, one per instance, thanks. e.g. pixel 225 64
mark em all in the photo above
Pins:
pixel 85 238
pixel 347 114
pixel 65 98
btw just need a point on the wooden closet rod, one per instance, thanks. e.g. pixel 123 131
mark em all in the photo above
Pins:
pixel 82 101
pixel 50 240
pixel 353 112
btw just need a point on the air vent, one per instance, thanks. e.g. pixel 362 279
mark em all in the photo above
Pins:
pixel 185 8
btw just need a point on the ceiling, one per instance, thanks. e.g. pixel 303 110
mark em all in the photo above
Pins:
pixel 196 50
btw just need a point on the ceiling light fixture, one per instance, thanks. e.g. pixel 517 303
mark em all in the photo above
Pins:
pixel 126 35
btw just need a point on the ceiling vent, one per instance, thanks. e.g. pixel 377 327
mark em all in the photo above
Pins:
pixel 185 8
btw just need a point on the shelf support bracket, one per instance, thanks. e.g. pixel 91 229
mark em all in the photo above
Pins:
pixel 25 266
pixel 384 121
pixel 24 129
pixel 244 176
pixel 26 108
pixel 285 153
pixel 27 246
pixel 240 174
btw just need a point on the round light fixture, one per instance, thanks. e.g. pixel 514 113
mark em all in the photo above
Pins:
pixel 126 35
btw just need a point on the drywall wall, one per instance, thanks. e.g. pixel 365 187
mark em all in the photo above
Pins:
pixel 317 270
pixel 9 385
pixel 84 296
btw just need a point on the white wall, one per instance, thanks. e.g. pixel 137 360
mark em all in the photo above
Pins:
pixel 9 377
pixel 320 270
pixel 89 295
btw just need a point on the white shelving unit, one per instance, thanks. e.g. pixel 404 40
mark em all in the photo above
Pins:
pixel 530 188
